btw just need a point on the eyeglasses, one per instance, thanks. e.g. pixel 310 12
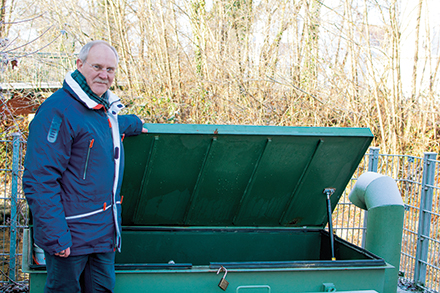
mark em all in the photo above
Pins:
pixel 99 68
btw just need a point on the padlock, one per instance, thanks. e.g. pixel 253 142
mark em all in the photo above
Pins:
pixel 223 284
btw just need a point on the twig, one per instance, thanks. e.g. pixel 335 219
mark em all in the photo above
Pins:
pixel 32 42
pixel 300 89
pixel 10 280
pixel 24 20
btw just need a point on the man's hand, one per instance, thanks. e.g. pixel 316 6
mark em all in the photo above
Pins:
pixel 63 253
pixel 144 129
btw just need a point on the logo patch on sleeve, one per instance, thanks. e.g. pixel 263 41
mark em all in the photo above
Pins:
pixel 54 129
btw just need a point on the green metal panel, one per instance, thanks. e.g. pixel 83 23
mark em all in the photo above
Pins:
pixel 235 175
pixel 202 196
pixel 278 281
pixel 304 280
pixel 201 247
pixel 258 247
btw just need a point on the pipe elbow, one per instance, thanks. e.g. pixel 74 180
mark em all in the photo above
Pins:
pixel 375 190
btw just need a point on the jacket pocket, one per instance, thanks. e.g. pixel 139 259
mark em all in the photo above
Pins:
pixel 90 213
pixel 89 150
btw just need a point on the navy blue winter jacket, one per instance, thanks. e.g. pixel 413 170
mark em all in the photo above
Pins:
pixel 73 171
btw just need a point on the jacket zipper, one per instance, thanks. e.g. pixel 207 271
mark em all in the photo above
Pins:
pixel 88 155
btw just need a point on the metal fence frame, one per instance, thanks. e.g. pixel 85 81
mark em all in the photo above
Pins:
pixel 418 179
pixel 13 210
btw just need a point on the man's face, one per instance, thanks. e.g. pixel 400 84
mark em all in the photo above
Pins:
pixel 99 68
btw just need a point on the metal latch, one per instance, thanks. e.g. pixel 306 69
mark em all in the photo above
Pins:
pixel 329 287
pixel 223 284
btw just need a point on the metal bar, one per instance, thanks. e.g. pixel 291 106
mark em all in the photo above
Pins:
pixel 349 228
pixel 424 218
pixel 328 192
pixel 200 178
pixel 251 182
pixel 409 182
pixel 138 214
pixel 301 180
pixel 14 188
pixel 373 159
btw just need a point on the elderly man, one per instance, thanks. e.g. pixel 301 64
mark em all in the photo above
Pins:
pixel 73 172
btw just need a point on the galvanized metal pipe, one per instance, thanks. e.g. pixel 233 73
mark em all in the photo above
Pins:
pixel 379 195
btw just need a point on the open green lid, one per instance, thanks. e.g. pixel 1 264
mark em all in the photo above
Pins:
pixel 236 175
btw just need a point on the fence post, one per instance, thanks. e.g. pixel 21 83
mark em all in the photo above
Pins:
pixel 14 189
pixel 424 218
pixel 373 160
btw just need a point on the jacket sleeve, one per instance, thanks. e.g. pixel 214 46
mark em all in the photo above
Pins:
pixel 47 156
pixel 129 125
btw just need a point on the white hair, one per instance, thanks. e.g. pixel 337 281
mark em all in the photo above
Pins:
pixel 84 52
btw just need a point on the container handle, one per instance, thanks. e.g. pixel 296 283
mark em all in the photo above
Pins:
pixel 254 287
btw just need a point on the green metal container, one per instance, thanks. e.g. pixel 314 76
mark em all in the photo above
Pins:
pixel 207 203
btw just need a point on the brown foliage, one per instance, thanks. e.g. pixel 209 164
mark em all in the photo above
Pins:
pixel 274 62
